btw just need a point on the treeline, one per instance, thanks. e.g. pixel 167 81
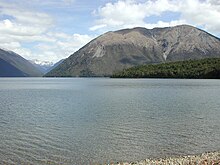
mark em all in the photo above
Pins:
pixel 198 69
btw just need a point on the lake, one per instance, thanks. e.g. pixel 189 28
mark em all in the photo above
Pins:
pixel 103 120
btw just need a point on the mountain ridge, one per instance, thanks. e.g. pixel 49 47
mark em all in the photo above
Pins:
pixel 14 65
pixel 118 50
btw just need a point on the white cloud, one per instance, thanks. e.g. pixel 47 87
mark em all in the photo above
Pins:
pixel 10 45
pixel 52 46
pixel 22 15
pixel 23 27
pixel 62 47
pixel 130 13
pixel 27 53
pixel 165 24
pixel 17 29
pixel 34 35
pixel 202 13
pixel 97 27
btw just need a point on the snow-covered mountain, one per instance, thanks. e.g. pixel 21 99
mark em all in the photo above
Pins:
pixel 43 66
pixel 43 63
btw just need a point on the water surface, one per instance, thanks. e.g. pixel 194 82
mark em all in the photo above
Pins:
pixel 86 121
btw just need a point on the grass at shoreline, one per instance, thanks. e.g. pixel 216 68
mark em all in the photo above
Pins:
pixel 211 158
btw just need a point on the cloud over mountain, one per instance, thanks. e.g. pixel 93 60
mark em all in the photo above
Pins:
pixel 131 13
pixel 54 29
pixel 33 34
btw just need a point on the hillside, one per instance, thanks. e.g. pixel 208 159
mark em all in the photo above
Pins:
pixel 13 65
pixel 55 65
pixel 198 69
pixel 115 51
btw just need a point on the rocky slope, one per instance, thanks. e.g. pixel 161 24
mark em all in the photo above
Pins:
pixel 115 51
pixel 55 65
pixel 13 65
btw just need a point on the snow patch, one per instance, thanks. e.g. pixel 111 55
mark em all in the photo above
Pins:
pixel 42 63
pixel 165 55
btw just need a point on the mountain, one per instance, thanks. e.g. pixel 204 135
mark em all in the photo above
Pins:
pixel 43 66
pixel 115 51
pixel 208 68
pixel 55 65
pixel 13 65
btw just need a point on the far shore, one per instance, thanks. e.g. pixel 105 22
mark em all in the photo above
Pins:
pixel 209 158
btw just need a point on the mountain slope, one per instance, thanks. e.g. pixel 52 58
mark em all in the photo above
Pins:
pixel 203 68
pixel 115 51
pixel 13 65
pixel 55 65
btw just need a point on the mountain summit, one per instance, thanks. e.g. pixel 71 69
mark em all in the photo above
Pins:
pixel 115 51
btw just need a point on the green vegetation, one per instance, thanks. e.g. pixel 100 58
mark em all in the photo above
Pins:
pixel 198 69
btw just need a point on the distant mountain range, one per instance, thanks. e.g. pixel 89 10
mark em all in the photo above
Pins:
pixel 43 66
pixel 13 65
pixel 115 51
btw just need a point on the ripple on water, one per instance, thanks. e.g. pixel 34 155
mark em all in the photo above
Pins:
pixel 81 121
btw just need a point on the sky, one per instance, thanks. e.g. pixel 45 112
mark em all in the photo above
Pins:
pixel 50 30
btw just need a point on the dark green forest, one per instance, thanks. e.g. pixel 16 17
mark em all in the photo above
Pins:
pixel 192 69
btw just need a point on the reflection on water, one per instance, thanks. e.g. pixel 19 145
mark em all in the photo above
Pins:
pixel 82 121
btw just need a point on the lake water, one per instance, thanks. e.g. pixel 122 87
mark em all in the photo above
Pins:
pixel 103 120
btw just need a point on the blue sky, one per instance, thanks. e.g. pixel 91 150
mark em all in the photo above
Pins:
pixel 53 29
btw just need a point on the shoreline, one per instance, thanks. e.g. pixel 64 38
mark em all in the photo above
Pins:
pixel 208 158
